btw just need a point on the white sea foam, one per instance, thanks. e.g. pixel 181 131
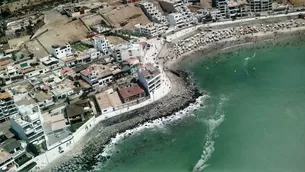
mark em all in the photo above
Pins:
pixel 246 63
pixel 158 123
pixel 212 124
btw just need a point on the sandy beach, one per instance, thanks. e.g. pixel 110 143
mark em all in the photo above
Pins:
pixel 234 43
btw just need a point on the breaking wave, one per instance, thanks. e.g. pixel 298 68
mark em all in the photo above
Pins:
pixel 212 123
pixel 246 63
pixel 158 123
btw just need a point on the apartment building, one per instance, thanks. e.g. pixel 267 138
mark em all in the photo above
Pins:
pixel 150 77
pixel 260 6
pixel 152 12
pixel 101 44
pixel 178 12
pixel 237 8
pixel 27 124
pixel 51 62
pixel 61 51
pixel 7 105
pixel 97 75
pixel 126 51
pixel 150 29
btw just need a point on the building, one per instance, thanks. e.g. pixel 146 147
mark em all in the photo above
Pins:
pixel 237 8
pixel 126 51
pixel 152 12
pixel 97 75
pixel 7 105
pixel 108 101
pixel 176 19
pixel 150 77
pixel 64 89
pixel 55 126
pixel 61 51
pixel 221 5
pixel 131 93
pixel 178 6
pixel 51 62
pixel 11 74
pixel 101 44
pixel 78 111
pixel 7 161
pixel 150 29
pixel 27 124
pixel 13 147
pixel 260 6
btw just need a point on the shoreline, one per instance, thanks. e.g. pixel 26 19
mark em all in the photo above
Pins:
pixel 102 134
pixel 231 44
pixel 183 93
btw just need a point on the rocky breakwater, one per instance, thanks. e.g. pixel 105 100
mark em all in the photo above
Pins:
pixel 183 93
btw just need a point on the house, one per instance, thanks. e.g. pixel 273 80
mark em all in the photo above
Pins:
pixel 11 74
pixel 131 93
pixel 108 100
pixel 97 75
pixel 101 44
pixel 51 62
pixel 150 77
pixel 7 161
pixel 5 132
pixel 63 89
pixel 7 105
pixel 27 124
pixel 13 147
pixel 61 51
pixel 76 112
pixel 55 127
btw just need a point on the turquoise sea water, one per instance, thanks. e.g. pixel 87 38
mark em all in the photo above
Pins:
pixel 253 120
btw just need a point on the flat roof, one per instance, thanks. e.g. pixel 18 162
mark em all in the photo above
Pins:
pixel 106 99
pixel 5 95
pixel 4 156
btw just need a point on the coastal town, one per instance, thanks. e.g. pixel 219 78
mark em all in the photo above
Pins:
pixel 71 66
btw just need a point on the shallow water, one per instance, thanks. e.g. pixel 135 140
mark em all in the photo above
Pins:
pixel 253 120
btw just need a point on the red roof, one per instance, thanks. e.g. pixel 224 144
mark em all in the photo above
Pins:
pixel 131 91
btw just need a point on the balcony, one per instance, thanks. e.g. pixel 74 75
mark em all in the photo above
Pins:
pixel 28 131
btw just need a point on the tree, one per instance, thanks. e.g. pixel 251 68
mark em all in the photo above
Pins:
pixel 14 56
pixel 32 148
pixel 22 56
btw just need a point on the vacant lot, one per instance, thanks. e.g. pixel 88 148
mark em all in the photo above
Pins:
pixel 92 19
pixel 126 16
pixel 35 48
pixel 69 32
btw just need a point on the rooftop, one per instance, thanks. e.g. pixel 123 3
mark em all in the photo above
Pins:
pixel 108 99
pixel 54 122
pixel 5 129
pixel 148 70
pixel 77 108
pixel 130 91
pixel 97 70
pixel 10 144
pixel 5 95
pixel 4 156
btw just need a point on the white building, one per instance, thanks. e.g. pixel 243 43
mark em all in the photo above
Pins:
pixel 152 12
pixel 61 51
pixel 51 62
pixel 150 29
pixel 150 77
pixel 101 44
pixel 27 124
pixel 97 75
pixel 260 6
pixel 10 75
pixel 124 52
pixel 176 19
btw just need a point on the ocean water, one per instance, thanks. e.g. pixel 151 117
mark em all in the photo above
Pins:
pixel 253 119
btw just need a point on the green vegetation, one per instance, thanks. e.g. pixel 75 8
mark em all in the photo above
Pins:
pixel 28 167
pixel 14 57
pixel 80 47
pixel 31 148
pixel 75 126
pixel 22 160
